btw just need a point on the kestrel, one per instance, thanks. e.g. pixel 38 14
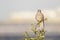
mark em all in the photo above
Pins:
pixel 39 17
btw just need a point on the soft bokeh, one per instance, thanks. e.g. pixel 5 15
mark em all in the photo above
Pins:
pixel 16 16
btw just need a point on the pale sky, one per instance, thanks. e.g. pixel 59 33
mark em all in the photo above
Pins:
pixel 7 7
pixel 25 10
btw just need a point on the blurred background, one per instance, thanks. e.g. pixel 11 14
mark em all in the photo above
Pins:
pixel 16 17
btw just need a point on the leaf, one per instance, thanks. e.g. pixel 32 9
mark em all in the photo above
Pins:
pixel 25 33
pixel 41 21
pixel 34 29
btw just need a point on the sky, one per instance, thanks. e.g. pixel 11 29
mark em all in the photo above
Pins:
pixel 10 8
pixel 25 10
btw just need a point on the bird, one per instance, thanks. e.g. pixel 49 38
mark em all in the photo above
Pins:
pixel 39 17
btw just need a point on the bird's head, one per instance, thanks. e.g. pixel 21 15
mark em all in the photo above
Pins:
pixel 39 10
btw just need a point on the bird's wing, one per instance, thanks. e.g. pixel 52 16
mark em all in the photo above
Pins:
pixel 38 16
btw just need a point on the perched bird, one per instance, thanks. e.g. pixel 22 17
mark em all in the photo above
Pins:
pixel 39 17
